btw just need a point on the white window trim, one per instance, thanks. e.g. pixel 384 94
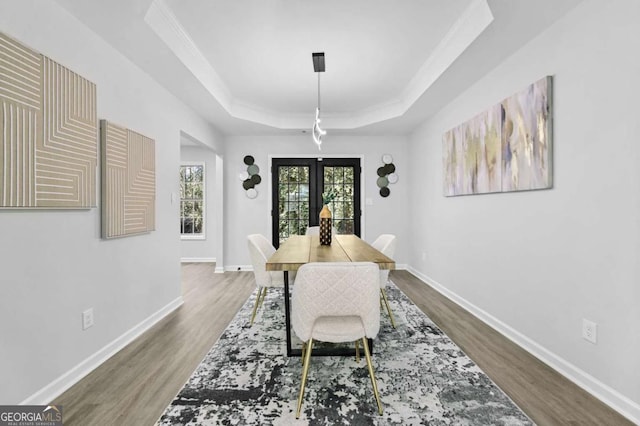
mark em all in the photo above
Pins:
pixel 203 235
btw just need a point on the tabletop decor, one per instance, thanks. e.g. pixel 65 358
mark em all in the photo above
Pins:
pixel 505 148
pixel 325 217
pixel 251 177
pixel 426 378
pixel 48 132
pixel 386 175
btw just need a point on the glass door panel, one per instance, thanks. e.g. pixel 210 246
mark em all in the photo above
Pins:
pixel 340 180
pixel 293 200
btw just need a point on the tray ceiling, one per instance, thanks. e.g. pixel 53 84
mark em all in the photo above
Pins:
pixel 246 65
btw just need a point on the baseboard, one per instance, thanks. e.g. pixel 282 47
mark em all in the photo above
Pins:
pixel 54 389
pixel 236 268
pixel 614 399
pixel 198 260
pixel 219 270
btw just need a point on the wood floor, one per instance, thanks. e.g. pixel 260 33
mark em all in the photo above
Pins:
pixel 136 385
pixel 547 397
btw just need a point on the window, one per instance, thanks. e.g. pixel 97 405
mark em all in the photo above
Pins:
pixel 192 201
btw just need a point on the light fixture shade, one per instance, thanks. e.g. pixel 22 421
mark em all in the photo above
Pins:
pixel 318 61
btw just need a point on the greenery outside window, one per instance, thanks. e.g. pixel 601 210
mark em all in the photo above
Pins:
pixel 192 202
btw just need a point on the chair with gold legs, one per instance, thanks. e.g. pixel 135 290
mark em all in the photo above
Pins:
pixel 336 302
pixel 386 244
pixel 260 250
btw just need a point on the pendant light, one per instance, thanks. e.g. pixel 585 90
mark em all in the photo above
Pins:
pixel 316 132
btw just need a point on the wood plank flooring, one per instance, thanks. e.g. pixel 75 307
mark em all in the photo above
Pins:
pixel 547 397
pixel 136 385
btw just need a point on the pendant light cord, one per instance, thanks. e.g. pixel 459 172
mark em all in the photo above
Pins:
pixel 318 90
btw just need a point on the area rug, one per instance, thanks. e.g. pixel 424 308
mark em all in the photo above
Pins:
pixel 423 378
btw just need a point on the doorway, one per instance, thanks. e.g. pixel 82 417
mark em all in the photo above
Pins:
pixel 298 185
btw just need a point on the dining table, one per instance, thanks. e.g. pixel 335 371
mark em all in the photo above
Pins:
pixel 297 250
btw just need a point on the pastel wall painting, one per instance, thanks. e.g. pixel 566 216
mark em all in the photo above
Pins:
pixel 505 148
pixel 472 157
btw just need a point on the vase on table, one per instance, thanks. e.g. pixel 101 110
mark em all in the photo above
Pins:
pixel 325 226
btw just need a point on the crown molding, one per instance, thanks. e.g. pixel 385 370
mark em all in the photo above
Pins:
pixel 164 23
pixel 467 28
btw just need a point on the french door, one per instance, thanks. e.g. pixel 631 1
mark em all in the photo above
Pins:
pixel 298 184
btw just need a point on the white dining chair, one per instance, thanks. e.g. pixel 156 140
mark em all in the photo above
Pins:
pixel 260 250
pixel 386 244
pixel 336 302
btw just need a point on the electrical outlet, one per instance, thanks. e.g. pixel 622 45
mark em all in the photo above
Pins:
pixel 589 331
pixel 424 256
pixel 87 318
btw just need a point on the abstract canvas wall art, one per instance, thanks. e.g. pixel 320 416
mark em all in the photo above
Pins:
pixel 48 132
pixel 472 156
pixel 505 148
pixel 526 138
pixel 128 181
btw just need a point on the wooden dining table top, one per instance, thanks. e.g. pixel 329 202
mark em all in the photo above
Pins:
pixel 297 250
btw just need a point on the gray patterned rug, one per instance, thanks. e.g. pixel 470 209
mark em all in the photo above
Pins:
pixel 423 377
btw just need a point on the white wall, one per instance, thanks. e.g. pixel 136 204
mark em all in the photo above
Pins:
pixel 202 250
pixel 53 264
pixel 245 216
pixel 535 264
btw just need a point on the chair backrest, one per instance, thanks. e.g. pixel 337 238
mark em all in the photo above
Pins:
pixel 260 250
pixel 336 289
pixel 386 244
pixel 315 230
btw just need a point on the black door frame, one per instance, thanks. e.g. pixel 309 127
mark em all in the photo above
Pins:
pixel 316 178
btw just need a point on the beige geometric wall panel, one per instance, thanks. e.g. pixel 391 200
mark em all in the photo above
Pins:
pixel 48 132
pixel 128 181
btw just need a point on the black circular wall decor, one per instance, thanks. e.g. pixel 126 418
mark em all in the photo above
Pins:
pixel 386 175
pixel 251 177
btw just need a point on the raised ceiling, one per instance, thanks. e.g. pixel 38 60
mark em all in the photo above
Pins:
pixel 246 65
pixel 262 49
